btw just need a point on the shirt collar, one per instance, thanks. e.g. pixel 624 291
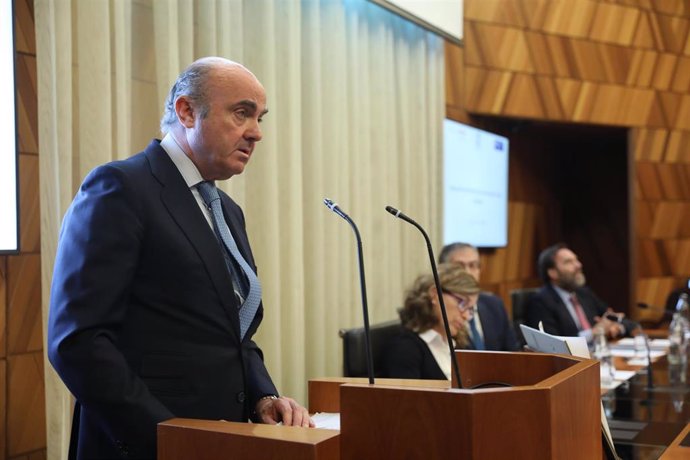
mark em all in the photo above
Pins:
pixel 184 164
pixel 563 294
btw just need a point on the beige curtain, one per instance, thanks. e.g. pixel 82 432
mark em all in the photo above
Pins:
pixel 356 106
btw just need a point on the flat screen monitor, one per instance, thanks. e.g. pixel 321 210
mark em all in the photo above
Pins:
pixel 475 186
pixel 9 224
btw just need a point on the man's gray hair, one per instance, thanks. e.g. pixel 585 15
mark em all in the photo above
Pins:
pixel 191 83
pixel 448 249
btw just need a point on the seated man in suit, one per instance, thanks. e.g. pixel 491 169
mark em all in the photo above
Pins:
pixel 564 305
pixel 493 331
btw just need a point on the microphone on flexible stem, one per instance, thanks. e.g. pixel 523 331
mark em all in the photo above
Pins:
pixel 365 309
pixel 650 381
pixel 439 291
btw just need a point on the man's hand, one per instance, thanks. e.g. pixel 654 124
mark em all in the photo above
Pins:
pixel 613 329
pixel 286 410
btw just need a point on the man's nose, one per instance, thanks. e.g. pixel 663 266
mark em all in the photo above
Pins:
pixel 253 132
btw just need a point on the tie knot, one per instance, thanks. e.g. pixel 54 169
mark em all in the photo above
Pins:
pixel 208 192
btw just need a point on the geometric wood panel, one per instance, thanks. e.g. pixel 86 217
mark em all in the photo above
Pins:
pixel 24 303
pixel 27 113
pixel 29 210
pixel 3 305
pixel 26 403
pixel 24 26
pixel 3 408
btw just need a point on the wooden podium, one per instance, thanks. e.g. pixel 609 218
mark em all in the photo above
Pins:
pixel 551 411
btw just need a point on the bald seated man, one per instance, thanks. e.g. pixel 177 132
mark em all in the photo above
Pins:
pixel 489 328
pixel 155 298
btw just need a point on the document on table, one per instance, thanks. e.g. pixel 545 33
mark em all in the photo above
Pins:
pixel 327 420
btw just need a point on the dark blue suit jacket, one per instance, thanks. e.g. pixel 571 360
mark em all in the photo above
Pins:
pixel 499 334
pixel 143 322
pixel 548 307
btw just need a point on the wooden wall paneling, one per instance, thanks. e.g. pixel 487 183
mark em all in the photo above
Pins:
pixel 664 69
pixel 673 31
pixel 568 91
pixel 641 69
pixel 644 218
pixel 681 76
pixel 682 120
pixel 24 303
pixel 614 24
pixel 645 36
pixel 561 56
pixel 616 62
pixel 3 306
pixel 496 46
pixel 584 104
pixel 25 37
pixel 588 60
pixel 648 180
pixel 648 144
pixel 650 263
pixel 26 404
pixel 27 113
pixel 679 256
pixel 666 220
pixel 670 180
pixel 539 53
pixel 684 230
pixel 496 12
pixel 523 98
pixel 670 105
pixel 486 90
pixel 671 7
pixel 563 17
pixel 653 292
pixel 29 210
pixel 3 408
pixel 678 147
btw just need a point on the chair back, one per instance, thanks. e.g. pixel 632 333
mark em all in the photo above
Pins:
pixel 354 347
pixel 519 299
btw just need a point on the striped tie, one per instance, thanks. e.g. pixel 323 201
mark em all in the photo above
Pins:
pixel 248 309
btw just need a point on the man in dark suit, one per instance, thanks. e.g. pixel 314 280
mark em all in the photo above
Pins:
pixel 564 305
pixel 152 309
pixel 493 331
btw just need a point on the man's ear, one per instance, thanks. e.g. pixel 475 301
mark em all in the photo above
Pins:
pixel 185 111
pixel 553 273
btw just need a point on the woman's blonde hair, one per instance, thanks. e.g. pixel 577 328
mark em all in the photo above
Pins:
pixel 417 313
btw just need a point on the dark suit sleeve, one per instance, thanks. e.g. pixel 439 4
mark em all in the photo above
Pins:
pixel 505 332
pixel 96 260
pixel 538 309
pixel 402 358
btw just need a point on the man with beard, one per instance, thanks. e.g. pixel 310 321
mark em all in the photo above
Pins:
pixel 564 305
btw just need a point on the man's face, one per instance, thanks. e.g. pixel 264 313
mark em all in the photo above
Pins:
pixel 222 142
pixel 468 259
pixel 567 273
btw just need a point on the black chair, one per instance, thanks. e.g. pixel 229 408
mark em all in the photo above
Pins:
pixel 354 347
pixel 519 299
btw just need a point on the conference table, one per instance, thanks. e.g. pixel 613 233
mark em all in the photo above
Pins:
pixel 645 421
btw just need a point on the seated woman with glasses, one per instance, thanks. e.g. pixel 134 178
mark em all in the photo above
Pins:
pixel 420 351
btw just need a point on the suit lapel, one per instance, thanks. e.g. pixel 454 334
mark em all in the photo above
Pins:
pixel 182 206
pixel 562 309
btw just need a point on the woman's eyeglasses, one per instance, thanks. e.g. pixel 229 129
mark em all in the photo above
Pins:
pixel 463 304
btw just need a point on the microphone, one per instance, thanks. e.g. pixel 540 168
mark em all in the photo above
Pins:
pixel 362 282
pixel 439 291
pixel 650 381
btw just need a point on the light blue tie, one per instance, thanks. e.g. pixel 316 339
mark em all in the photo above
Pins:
pixel 247 311
pixel 476 336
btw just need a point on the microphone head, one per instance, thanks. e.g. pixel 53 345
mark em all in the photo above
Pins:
pixel 329 203
pixel 392 210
